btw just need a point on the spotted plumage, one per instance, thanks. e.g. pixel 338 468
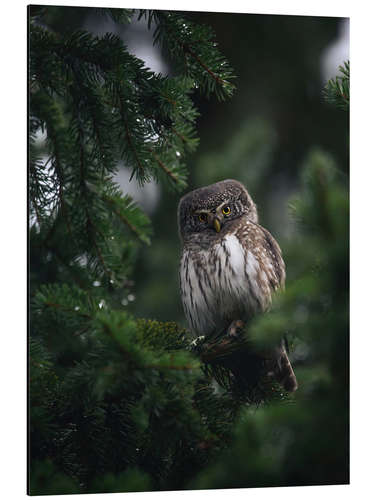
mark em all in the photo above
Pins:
pixel 230 265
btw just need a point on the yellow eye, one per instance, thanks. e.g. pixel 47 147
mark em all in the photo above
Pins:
pixel 202 217
pixel 226 210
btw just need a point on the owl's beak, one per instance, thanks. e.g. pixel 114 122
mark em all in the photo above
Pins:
pixel 217 224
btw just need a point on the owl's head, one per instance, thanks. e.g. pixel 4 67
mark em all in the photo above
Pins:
pixel 213 209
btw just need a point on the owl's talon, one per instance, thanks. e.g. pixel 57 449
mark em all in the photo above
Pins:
pixel 235 328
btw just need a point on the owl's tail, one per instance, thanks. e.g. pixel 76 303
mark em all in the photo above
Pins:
pixel 282 369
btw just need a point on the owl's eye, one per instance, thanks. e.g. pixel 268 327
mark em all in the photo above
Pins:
pixel 226 210
pixel 202 217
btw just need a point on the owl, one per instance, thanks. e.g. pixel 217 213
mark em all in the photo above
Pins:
pixel 230 265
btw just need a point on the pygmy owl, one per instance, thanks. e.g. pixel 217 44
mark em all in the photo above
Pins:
pixel 230 265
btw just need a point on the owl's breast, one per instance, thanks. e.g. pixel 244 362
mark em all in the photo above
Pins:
pixel 197 290
pixel 221 283
pixel 241 287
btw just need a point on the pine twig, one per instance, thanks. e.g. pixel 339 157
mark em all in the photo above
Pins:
pixel 122 217
pixel 186 48
pixel 56 305
pixel 183 138
pixel 164 167
pixel 130 142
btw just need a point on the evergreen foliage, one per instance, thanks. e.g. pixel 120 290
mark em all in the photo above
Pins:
pixel 116 403
pixel 123 403
pixel 337 90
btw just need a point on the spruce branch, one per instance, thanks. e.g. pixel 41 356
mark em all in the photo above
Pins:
pixel 92 230
pixel 36 210
pixel 64 308
pixel 164 167
pixel 130 215
pixel 193 47
pixel 50 114
pixel 337 90
pixel 141 170
pixel 179 135
pixel 62 260
pixel 110 101
pixel 186 48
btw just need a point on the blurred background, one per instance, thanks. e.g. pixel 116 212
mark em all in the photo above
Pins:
pixel 260 137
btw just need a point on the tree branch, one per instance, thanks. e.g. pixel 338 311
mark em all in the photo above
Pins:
pixel 164 167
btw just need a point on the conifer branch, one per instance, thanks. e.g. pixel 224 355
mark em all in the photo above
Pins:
pixel 61 259
pixel 55 135
pixel 183 138
pixel 38 218
pixel 124 219
pixel 164 167
pixel 180 36
pixel 91 230
pixel 131 145
pixel 64 308
pixel 64 210
pixel 188 49
pixel 337 90
pixel 100 141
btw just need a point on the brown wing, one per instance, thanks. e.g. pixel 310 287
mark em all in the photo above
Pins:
pixel 280 365
pixel 273 252
pixel 266 250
